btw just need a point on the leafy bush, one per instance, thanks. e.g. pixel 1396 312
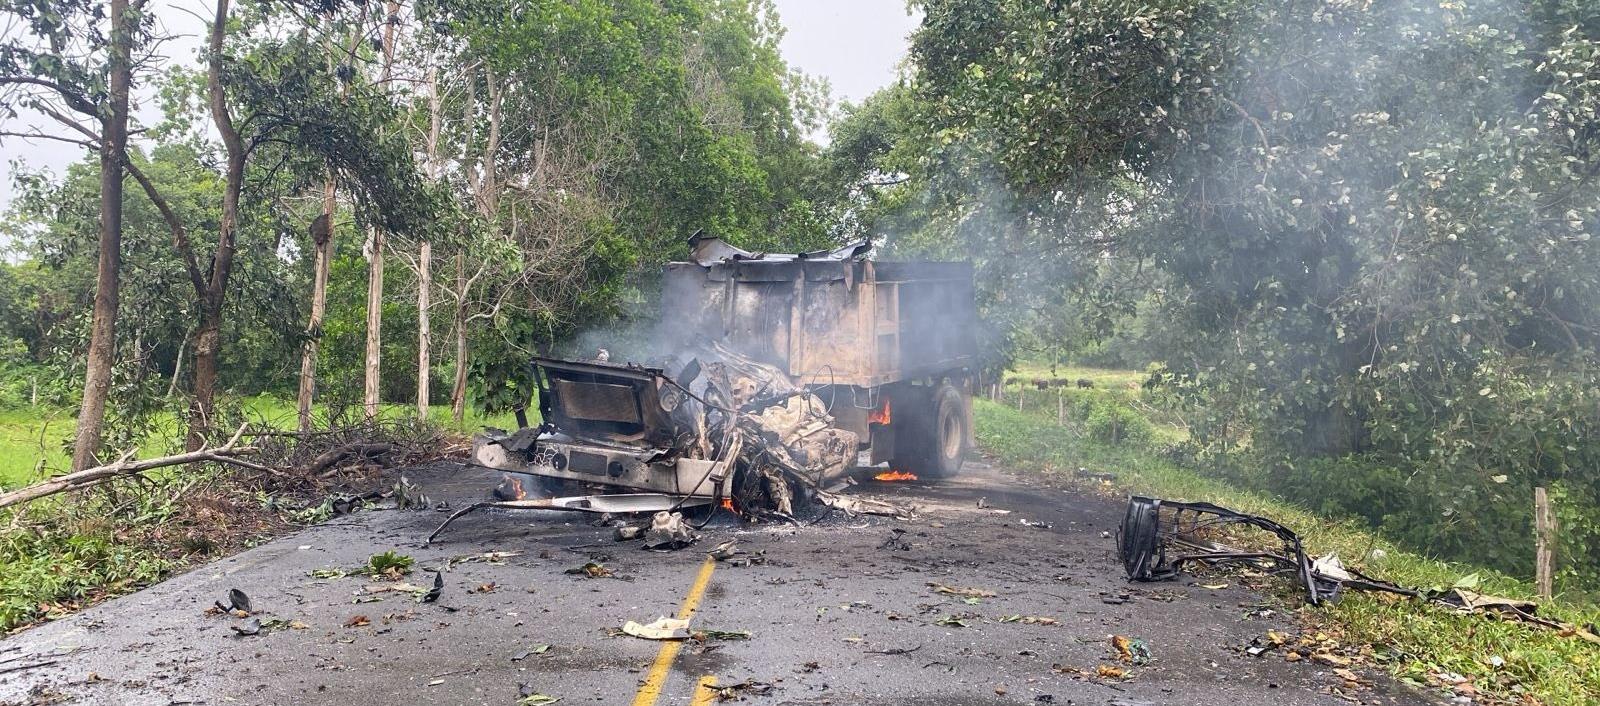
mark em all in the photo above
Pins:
pixel 1116 423
pixel 47 568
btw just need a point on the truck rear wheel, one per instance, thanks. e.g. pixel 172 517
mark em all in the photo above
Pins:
pixel 933 442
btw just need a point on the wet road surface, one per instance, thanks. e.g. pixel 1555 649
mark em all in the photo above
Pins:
pixel 840 613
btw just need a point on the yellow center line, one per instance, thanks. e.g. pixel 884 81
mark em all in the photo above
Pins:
pixel 705 692
pixel 657 678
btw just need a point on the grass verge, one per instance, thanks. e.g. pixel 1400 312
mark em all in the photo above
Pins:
pixel 62 553
pixel 29 435
pixel 1497 661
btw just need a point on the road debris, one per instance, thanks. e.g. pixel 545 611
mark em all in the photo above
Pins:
pixel 433 593
pixel 668 532
pixel 1130 650
pixel 395 587
pixel 591 570
pixel 1262 644
pixel 496 558
pixel 733 692
pixel 248 628
pixel 960 591
pixel 663 628
pixel 238 605
pixel 535 650
pixel 1099 675
pixel 1030 620
pixel 390 564
pixel 708 634
pixel 24 667
pixel 1152 527
pixel 1106 671
pixel 895 651
pixel 527 695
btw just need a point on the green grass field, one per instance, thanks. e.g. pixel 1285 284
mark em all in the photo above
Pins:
pixel 28 436
pixel 1415 641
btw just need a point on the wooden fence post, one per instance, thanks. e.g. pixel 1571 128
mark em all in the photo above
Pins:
pixel 1061 407
pixel 1544 525
pixel 1021 392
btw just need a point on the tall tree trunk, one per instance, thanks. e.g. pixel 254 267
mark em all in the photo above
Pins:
pixel 322 246
pixel 374 321
pixel 177 365
pixel 322 241
pixel 208 335
pixel 425 257
pixel 375 248
pixel 486 192
pixel 108 283
pixel 424 332
pixel 458 392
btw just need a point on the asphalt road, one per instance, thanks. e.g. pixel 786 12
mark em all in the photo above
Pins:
pixel 841 613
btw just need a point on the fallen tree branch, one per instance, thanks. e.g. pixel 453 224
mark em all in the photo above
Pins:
pixel 227 453
pixel 360 449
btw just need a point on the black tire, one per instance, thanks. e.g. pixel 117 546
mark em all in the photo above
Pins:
pixel 933 441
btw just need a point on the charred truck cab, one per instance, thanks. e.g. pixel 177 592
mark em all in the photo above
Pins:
pixel 780 369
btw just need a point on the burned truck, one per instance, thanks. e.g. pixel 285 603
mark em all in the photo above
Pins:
pixel 777 376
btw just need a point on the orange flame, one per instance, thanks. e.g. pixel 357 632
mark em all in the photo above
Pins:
pixel 895 476
pixel 516 488
pixel 880 415
pixel 727 504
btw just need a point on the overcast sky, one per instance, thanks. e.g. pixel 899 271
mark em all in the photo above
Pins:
pixel 855 44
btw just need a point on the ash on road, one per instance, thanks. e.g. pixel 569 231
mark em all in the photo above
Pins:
pixel 840 613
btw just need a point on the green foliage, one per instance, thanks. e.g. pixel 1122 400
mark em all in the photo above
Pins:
pixel 389 563
pixel 50 565
pixel 1358 236
pixel 321 120
pixel 654 121
pixel 1114 423
pixel 1300 201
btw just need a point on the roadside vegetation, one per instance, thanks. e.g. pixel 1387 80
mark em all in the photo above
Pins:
pixel 34 441
pixel 1468 655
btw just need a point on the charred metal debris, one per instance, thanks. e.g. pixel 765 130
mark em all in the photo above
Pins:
pixel 723 431
pixel 1158 537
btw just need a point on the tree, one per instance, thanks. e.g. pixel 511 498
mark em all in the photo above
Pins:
pixel 322 232
pixel 290 102
pixel 1376 219
pixel 375 244
pixel 636 124
pixel 424 259
pixel 65 66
